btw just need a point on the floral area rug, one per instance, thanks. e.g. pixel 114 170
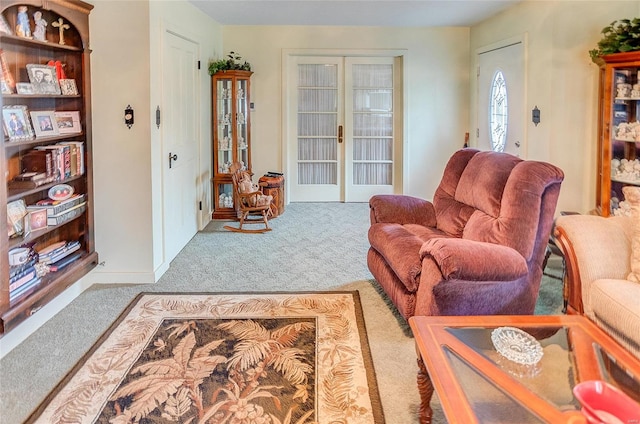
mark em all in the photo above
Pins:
pixel 258 358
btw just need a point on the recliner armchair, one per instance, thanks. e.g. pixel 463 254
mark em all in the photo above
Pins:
pixel 478 248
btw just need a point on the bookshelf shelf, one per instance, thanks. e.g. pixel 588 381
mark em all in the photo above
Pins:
pixel 62 158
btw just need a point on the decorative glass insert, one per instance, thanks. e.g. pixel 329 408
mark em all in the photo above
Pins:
pixel 498 112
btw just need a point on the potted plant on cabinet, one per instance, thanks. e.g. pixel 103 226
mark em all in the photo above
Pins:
pixel 620 36
pixel 233 62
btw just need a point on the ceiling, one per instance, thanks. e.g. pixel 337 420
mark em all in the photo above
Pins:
pixel 390 13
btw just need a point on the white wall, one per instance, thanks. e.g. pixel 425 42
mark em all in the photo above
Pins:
pixel 561 81
pixel 437 87
pixel 127 69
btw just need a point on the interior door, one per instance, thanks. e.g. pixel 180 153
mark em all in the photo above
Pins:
pixel 501 99
pixel 180 143
pixel 344 124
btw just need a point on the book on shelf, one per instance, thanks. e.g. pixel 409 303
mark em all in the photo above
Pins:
pixel 62 163
pixel 40 161
pixel 67 215
pixel 62 263
pixel 15 270
pixel 30 275
pixel 56 207
pixel 57 251
pixel 25 289
pixel 17 183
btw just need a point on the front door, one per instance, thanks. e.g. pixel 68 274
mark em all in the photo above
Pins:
pixel 501 99
pixel 180 143
pixel 345 127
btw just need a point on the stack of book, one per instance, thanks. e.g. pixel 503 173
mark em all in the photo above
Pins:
pixel 30 180
pixel 61 211
pixel 22 278
pixel 52 254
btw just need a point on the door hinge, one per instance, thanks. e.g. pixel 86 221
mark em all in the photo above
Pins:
pixel 198 64
pixel 200 205
pixel 477 132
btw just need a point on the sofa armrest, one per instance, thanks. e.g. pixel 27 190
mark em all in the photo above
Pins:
pixel 470 260
pixel 593 248
pixel 401 209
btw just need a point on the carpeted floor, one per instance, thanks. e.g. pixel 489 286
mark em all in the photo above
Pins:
pixel 312 247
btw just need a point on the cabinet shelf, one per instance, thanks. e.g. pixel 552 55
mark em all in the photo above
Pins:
pixel 18 52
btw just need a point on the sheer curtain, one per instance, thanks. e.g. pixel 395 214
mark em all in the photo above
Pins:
pixel 372 124
pixel 317 124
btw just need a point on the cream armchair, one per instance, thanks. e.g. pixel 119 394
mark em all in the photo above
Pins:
pixel 597 254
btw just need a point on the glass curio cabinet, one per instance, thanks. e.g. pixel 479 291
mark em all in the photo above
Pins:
pixel 619 130
pixel 231 136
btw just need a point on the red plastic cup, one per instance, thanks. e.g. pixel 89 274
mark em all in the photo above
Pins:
pixel 603 403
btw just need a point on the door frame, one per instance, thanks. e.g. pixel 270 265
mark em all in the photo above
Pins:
pixel 517 39
pixel 400 147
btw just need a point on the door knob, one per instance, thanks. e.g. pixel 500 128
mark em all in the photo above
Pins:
pixel 172 158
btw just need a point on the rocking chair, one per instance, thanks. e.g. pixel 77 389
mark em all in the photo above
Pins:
pixel 250 201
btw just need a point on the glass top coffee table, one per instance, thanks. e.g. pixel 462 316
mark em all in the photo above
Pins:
pixel 476 384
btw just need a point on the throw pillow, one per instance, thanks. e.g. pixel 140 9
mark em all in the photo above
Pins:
pixel 632 196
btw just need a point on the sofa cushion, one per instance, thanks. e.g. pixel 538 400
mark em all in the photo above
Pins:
pixel 616 307
pixel 400 247
pixel 632 196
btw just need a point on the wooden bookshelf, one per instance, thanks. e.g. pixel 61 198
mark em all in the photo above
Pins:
pixel 74 56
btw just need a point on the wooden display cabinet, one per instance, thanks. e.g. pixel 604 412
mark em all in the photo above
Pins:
pixel 618 129
pixel 66 39
pixel 231 136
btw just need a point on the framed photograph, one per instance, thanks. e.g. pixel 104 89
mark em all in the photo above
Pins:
pixel 68 87
pixel 24 88
pixel 37 219
pixel 44 123
pixel 16 123
pixel 43 78
pixel 68 122
pixel 16 212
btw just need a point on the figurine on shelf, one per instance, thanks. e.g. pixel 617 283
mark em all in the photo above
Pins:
pixel 240 93
pixel 61 27
pixel 23 28
pixel 41 26
pixel 241 118
pixel 226 120
pixel 623 90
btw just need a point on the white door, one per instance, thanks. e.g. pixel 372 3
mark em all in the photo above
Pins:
pixel 343 120
pixel 179 143
pixel 501 99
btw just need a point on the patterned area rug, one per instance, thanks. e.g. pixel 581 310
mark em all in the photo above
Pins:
pixel 258 358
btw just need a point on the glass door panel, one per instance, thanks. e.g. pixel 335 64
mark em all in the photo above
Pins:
pixel 224 127
pixel 241 121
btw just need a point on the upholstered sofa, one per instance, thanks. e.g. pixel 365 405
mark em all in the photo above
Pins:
pixel 598 256
pixel 477 248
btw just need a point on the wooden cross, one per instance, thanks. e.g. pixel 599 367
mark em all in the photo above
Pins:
pixel 62 26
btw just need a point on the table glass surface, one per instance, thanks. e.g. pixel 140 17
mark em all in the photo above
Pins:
pixel 552 378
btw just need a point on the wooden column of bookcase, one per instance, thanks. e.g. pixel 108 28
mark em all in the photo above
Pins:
pixel 72 24
pixel 231 136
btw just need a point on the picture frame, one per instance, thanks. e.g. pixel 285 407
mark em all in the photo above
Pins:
pixel 4 26
pixel 16 123
pixel 16 211
pixel 68 122
pixel 37 219
pixel 68 87
pixel 44 79
pixel 24 88
pixel 44 123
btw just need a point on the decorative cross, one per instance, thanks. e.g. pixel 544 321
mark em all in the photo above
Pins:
pixel 62 26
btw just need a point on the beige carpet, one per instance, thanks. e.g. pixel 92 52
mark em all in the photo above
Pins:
pixel 261 357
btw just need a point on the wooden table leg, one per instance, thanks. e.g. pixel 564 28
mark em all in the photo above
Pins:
pixel 425 388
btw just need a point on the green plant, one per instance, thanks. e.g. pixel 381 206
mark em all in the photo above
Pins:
pixel 620 36
pixel 233 62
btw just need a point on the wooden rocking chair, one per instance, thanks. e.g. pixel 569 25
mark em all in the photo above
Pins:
pixel 250 201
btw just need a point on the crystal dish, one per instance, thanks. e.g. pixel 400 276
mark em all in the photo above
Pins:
pixel 517 345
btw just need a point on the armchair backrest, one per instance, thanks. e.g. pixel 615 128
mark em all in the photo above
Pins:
pixel 498 198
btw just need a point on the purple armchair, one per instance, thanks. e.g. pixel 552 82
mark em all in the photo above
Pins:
pixel 478 248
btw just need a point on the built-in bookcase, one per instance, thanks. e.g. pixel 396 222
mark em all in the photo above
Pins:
pixel 48 159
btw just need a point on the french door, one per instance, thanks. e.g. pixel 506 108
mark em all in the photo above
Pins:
pixel 344 120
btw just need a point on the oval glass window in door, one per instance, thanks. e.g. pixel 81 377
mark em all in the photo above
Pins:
pixel 498 112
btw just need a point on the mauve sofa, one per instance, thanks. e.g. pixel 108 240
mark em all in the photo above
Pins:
pixel 478 248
